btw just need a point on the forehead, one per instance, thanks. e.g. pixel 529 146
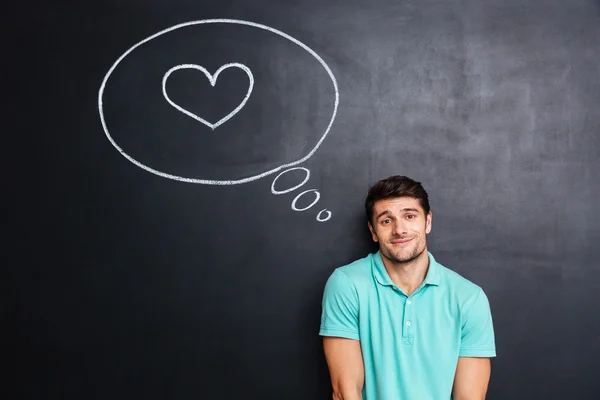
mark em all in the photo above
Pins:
pixel 397 205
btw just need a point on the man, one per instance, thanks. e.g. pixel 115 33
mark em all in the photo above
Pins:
pixel 397 325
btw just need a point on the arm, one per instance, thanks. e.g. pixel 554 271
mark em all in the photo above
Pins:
pixel 344 359
pixel 477 347
pixel 341 337
pixel 471 379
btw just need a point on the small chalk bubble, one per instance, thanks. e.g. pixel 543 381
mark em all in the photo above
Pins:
pixel 317 197
pixel 306 178
pixel 327 218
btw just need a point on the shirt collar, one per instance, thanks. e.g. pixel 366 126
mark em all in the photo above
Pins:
pixel 381 275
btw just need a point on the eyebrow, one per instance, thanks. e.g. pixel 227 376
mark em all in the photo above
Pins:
pixel 389 212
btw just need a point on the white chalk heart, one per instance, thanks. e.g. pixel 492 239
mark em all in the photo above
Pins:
pixel 213 82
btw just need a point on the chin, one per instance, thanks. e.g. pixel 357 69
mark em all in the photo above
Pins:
pixel 405 260
pixel 406 257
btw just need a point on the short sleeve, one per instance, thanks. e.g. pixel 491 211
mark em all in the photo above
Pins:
pixel 477 339
pixel 340 307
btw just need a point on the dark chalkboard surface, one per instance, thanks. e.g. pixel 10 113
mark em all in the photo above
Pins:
pixel 160 250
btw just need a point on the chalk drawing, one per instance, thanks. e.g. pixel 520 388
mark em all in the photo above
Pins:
pixel 317 194
pixel 213 82
pixel 326 218
pixel 317 197
pixel 210 181
pixel 306 178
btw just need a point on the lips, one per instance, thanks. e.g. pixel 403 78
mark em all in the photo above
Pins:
pixel 400 241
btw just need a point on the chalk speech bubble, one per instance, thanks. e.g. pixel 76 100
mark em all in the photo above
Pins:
pixel 208 181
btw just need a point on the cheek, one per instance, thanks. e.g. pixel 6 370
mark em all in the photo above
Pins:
pixel 374 234
pixel 381 234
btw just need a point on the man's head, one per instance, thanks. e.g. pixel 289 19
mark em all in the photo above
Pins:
pixel 399 218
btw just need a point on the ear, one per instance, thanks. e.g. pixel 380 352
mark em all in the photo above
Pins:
pixel 373 234
pixel 428 222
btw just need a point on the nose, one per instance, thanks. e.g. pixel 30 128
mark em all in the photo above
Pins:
pixel 400 227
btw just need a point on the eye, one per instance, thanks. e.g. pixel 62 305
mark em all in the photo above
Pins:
pixel 411 216
pixel 386 221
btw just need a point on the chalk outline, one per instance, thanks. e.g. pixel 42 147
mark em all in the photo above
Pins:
pixel 213 82
pixel 315 201
pixel 306 178
pixel 278 192
pixel 319 215
pixel 208 181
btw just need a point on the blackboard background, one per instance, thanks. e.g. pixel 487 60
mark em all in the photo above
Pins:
pixel 130 285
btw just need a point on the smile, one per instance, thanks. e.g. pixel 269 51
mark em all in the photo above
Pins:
pixel 400 242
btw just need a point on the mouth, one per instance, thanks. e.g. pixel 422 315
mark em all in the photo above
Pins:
pixel 400 242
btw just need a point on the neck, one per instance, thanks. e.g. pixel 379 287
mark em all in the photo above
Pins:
pixel 408 276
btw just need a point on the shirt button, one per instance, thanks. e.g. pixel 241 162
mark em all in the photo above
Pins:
pixel 407 323
pixel 408 302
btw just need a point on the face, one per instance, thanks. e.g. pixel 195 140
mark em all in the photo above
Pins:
pixel 400 226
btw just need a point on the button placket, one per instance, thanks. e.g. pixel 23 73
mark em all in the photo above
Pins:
pixel 408 327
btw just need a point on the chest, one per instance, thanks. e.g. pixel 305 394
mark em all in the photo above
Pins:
pixel 426 322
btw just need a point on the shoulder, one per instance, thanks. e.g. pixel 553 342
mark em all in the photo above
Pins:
pixel 464 291
pixel 459 283
pixel 358 271
pixel 354 274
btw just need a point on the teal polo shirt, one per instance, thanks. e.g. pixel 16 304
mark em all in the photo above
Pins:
pixel 410 344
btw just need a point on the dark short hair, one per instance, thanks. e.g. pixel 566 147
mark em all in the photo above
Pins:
pixel 396 186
